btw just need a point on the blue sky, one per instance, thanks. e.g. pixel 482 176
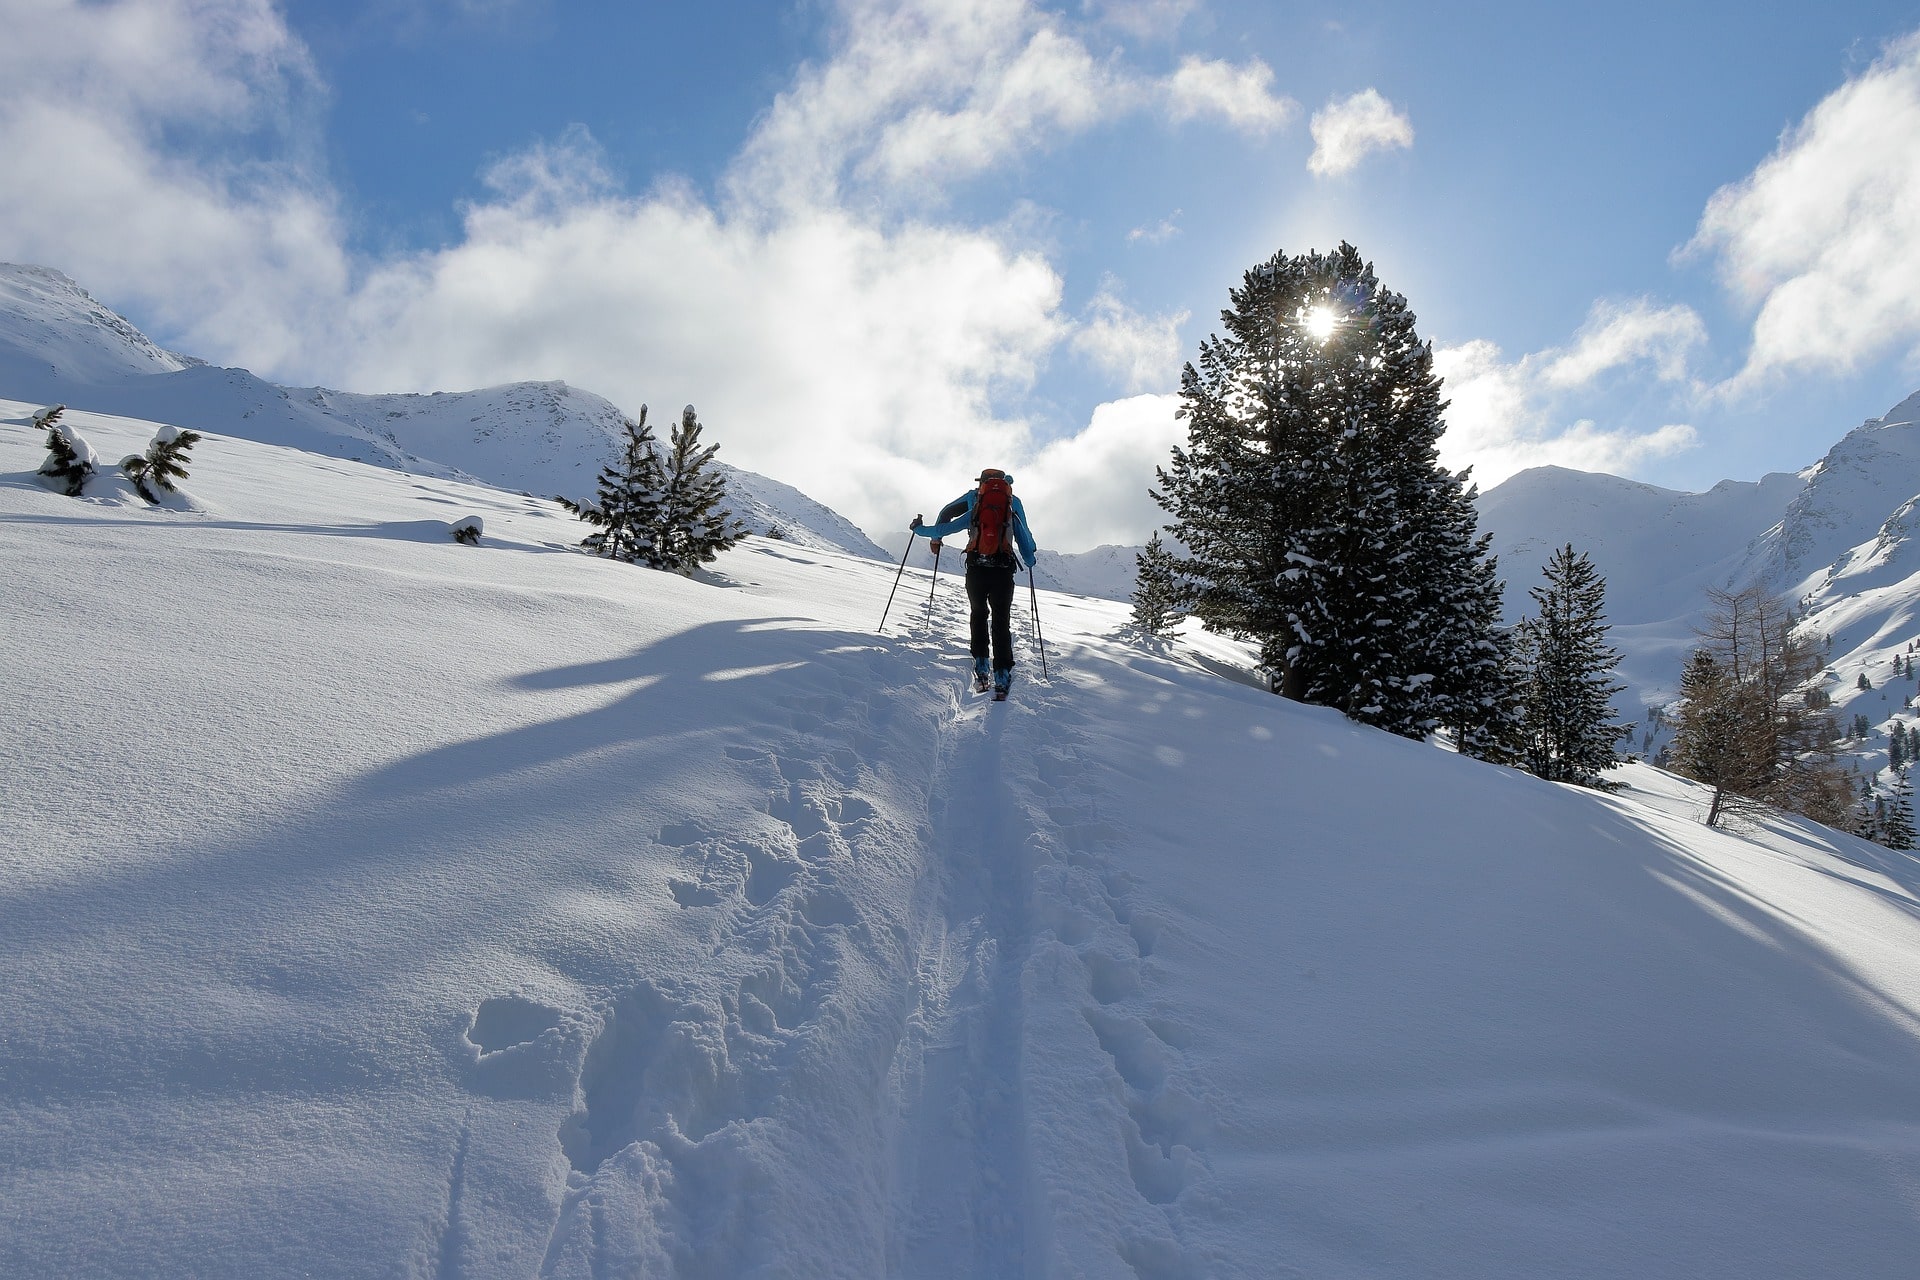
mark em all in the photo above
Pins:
pixel 880 243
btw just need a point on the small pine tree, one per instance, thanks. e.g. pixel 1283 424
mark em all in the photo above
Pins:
pixel 1818 699
pixel 1896 822
pixel 1569 732
pixel 162 464
pixel 467 530
pixel 1896 746
pixel 692 527
pixel 70 459
pixel 1861 820
pixel 1155 592
pixel 627 509
pixel 1863 682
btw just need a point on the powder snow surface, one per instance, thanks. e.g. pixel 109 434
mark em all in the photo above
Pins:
pixel 372 905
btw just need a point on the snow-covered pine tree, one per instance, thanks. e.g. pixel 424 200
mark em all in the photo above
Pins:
pixel 1570 732
pixel 1156 609
pixel 162 464
pixel 626 512
pixel 70 460
pixel 1457 593
pixel 692 526
pixel 1318 521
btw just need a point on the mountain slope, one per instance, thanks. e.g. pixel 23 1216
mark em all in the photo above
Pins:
pixel 1862 480
pixel 543 915
pixel 543 438
pixel 1659 550
pixel 52 330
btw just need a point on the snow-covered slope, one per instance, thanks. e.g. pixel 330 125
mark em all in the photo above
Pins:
pixel 1873 471
pixel 542 438
pixel 538 915
pixel 52 329
pixel 1658 550
pixel 1106 571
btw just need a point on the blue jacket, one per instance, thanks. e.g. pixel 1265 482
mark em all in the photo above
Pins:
pixel 952 523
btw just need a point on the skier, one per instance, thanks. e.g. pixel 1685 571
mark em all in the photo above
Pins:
pixel 998 542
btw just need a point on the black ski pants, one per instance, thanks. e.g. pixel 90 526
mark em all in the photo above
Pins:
pixel 990 592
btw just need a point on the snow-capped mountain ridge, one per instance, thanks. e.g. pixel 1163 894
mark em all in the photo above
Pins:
pixel 49 323
pixel 544 438
pixel 1871 471
pixel 1659 550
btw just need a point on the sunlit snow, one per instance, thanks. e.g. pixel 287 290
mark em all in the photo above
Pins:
pixel 372 904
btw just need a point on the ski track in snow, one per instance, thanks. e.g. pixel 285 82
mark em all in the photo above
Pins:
pixel 665 1172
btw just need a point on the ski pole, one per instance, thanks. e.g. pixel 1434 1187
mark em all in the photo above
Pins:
pixel 1034 592
pixel 896 579
pixel 933 582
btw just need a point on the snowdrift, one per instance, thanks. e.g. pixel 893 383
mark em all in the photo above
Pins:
pixel 372 904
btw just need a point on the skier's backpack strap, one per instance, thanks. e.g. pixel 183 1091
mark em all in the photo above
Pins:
pixel 990 536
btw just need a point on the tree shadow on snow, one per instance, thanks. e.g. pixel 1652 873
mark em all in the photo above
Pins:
pixel 408 865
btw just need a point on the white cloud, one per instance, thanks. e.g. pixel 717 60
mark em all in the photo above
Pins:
pixel 1618 334
pixel 1505 416
pixel 922 94
pixel 1344 132
pixel 1143 352
pixel 1157 233
pixel 1242 96
pixel 1050 86
pixel 1142 19
pixel 903 77
pixel 1092 488
pixel 1824 236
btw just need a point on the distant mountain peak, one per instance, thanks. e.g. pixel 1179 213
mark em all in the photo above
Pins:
pixel 1869 472
pixel 49 320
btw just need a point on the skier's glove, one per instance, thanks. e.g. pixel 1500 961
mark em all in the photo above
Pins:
pixel 915 525
pixel 935 544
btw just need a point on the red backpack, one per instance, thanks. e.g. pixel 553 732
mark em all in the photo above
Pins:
pixel 991 533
